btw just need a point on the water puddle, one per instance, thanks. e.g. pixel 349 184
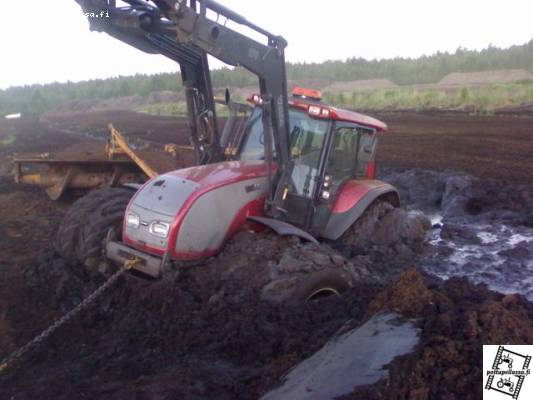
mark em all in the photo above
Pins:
pixel 355 358
pixel 498 255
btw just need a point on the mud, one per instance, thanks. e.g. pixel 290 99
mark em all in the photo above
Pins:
pixel 456 318
pixel 497 147
pixel 482 227
pixel 329 373
pixel 206 335
pixel 203 336
pixel 158 129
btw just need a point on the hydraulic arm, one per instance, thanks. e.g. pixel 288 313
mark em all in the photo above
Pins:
pixel 183 31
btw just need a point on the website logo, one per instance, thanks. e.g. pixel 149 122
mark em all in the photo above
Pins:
pixel 507 371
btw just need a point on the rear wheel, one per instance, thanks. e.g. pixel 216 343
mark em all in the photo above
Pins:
pixel 362 233
pixel 386 226
pixel 81 236
pixel 389 239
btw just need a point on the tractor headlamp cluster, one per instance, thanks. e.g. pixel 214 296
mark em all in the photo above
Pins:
pixel 159 228
pixel 156 228
pixel 133 220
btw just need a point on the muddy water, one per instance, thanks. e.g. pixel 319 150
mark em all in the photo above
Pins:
pixel 496 254
pixel 355 358
pixel 481 229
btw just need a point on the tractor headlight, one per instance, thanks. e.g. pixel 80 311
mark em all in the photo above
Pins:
pixel 159 228
pixel 132 220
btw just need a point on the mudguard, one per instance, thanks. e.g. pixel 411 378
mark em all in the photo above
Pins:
pixel 133 186
pixel 283 228
pixel 353 200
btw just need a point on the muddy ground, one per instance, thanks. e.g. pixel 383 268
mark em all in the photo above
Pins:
pixel 497 147
pixel 208 336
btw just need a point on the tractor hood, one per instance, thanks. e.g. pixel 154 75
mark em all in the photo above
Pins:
pixel 219 196
pixel 167 193
pixel 223 173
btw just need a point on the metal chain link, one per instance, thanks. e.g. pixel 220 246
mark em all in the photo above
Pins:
pixel 6 362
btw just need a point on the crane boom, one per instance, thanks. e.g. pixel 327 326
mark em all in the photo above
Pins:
pixel 182 31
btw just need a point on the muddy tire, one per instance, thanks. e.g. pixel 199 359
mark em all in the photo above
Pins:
pixel 362 233
pixel 68 234
pixel 389 238
pixel 81 236
pixel 327 282
pixel 307 272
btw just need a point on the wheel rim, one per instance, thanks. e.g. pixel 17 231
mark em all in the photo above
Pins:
pixel 323 292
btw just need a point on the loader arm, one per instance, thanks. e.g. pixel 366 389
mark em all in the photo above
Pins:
pixel 182 31
pixel 132 25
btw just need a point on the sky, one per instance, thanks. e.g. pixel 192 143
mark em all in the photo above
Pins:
pixel 46 41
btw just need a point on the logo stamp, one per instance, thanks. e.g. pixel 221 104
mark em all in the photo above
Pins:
pixel 507 371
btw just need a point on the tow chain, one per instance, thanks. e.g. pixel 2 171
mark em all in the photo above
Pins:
pixel 85 303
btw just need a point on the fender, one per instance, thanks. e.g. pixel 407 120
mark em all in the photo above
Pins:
pixel 354 198
pixel 283 228
pixel 133 186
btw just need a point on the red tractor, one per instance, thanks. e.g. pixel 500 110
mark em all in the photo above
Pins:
pixel 300 167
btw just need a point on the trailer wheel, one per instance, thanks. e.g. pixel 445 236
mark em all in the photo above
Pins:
pixel 86 224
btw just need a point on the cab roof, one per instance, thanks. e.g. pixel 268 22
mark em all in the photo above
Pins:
pixel 310 101
pixel 340 114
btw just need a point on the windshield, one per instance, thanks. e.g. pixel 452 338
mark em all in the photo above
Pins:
pixel 253 148
pixel 306 139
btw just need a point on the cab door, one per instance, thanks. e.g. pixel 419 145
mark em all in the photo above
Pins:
pixel 346 159
pixel 307 145
pixel 342 157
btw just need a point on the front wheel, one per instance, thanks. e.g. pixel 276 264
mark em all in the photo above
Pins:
pixel 307 272
pixel 82 233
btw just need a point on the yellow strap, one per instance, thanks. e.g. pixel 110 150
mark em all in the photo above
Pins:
pixel 131 263
pixel 3 367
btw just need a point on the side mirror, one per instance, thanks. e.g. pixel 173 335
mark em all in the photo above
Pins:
pixel 227 96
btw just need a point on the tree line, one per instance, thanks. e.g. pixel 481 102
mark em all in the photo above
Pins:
pixel 36 99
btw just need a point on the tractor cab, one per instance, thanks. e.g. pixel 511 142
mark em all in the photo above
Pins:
pixel 328 147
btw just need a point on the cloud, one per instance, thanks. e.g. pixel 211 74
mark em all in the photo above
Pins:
pixel 50 41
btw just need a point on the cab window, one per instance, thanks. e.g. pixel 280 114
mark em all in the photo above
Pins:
pixel 253 147
pixel 343 154
pixel 306 137
pixel 367 145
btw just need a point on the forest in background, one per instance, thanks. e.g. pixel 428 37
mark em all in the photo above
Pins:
pixel 36 99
